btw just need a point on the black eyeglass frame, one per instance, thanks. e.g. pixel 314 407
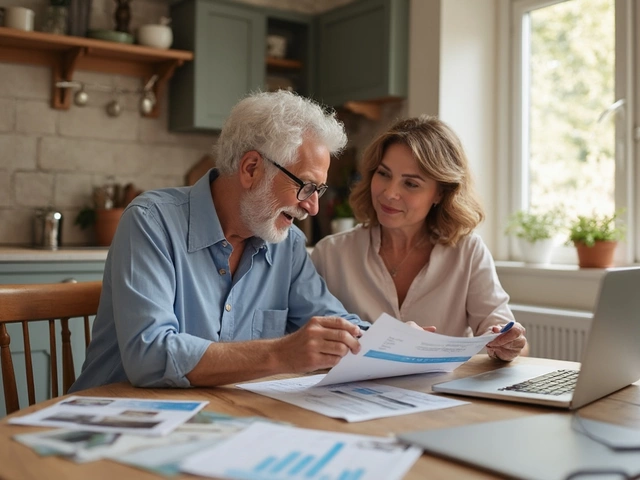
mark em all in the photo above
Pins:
pixel 301 195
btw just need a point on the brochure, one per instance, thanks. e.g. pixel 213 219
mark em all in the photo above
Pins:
pixel 114 415
pixel 158 454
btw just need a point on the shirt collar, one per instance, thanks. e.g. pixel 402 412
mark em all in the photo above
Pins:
pixel 204 225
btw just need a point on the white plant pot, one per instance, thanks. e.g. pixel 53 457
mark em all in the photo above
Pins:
pixel 538 252
pixel 342 224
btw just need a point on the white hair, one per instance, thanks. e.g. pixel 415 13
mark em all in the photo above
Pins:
pixel 275 124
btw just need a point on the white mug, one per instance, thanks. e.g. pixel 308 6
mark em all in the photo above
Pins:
pixel 19 17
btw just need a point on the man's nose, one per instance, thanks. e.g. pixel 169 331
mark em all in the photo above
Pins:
pixel 311 204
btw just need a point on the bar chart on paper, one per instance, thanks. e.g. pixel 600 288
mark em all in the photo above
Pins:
pixel 275 452
pixel 297 465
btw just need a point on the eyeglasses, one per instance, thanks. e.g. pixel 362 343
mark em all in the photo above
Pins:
pixel 306 188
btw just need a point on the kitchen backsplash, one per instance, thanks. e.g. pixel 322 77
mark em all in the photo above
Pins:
pixel 55 157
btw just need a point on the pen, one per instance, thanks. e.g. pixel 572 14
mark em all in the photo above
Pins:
pixel 507 327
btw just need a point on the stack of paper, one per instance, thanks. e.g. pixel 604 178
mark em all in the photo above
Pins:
pixel 160 454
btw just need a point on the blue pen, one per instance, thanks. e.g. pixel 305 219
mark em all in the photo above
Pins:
pixel 507 327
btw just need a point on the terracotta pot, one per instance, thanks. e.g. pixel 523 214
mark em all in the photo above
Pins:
pixel 106 224
pixel 598 256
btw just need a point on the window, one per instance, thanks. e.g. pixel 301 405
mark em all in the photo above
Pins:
pixel 572 109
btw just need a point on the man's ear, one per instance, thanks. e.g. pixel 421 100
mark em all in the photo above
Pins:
pixel 251 169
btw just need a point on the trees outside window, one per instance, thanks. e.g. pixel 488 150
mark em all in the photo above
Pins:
pixel 571 129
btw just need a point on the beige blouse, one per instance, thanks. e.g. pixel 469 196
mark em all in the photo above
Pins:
pixel 458 291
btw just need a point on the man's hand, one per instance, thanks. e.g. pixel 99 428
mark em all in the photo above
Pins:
pixel 508 345
pixel 321 343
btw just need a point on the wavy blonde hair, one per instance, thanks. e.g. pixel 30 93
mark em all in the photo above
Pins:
pixel 440 156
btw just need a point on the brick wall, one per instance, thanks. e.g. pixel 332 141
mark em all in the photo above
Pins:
pixel 56 157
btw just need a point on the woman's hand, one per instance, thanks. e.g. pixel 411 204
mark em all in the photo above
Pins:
pixel 508 345
pixel 415 325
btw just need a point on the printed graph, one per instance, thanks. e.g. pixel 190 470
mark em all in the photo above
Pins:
pixel 297 465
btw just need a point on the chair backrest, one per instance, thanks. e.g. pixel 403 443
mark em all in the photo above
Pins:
pixel 43 302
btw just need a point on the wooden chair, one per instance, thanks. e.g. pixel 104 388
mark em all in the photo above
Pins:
pixel 43 302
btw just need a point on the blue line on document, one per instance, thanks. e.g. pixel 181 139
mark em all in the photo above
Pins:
pixel 408 359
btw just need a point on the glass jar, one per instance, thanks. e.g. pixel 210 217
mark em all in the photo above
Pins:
pixel 57 20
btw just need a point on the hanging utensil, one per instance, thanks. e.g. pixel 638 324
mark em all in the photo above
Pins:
pixel 114 109
pixel 81 97
pixel 148 99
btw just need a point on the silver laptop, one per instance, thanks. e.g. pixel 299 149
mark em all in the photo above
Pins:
pixel 610 361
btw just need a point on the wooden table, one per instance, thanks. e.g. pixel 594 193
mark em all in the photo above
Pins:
pixel 18 462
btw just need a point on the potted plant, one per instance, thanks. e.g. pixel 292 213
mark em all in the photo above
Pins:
pixel 535 233
pixel 109 202
pixel 342 217
pixel 595 238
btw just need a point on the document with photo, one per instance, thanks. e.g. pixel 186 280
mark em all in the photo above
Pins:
pixel 158 454
pixel 119 415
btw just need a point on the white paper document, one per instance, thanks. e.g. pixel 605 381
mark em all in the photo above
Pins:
pixel 158 454
pixel 122 415
pixel 355 402
pixel 391 348
pixel 273 452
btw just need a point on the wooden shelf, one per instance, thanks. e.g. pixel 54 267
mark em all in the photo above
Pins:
pixel 284 63
pixel 65 54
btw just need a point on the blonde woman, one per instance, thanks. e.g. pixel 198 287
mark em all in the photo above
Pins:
pixel 414 254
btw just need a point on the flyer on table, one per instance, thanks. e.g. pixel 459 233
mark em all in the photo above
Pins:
pixel 105 414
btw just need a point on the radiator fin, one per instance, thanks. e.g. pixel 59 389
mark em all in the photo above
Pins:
pixel 554 333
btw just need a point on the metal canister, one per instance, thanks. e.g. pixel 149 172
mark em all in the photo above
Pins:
pixel 48 228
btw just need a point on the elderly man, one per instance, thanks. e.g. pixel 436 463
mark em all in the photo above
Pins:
pixel 202 283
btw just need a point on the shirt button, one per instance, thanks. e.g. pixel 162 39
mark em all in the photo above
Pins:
pixel 222 271
pixel 227 307
pixel 224 244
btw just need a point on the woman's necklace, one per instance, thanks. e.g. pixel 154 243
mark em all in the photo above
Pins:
pixel 393 271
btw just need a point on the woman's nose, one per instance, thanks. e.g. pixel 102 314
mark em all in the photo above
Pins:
pixel 391 191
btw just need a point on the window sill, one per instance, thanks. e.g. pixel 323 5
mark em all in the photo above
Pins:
pixel 549 270
pixel 554 285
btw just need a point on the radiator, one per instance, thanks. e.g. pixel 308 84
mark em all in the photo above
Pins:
pixel 553 332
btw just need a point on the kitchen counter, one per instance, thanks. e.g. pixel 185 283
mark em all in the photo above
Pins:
pixel 64 254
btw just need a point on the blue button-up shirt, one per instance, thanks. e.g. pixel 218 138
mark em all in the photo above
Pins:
pixel 167 292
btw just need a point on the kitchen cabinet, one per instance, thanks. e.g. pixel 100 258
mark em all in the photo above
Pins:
pixel 358 52
pixel 229 45
pixel 363 51
pixel 45 272
pixel 65 54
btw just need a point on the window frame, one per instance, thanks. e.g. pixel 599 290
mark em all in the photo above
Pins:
pixel 627 74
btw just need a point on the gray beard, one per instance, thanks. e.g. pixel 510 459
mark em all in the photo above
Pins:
pixel 259 212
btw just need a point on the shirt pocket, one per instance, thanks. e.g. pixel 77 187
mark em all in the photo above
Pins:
pixel 269 323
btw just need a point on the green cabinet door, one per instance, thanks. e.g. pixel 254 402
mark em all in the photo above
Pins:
pixel 228 41
pixel 44 272
pixel 363 52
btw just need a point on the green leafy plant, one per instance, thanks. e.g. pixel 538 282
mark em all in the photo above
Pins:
pixel 596 228
pixel 342 209
pixel 534 227
pixel 86 217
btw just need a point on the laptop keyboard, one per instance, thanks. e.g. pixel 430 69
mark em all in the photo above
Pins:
pixel 553 383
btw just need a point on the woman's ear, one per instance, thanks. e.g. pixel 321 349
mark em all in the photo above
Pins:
pixel 439 196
